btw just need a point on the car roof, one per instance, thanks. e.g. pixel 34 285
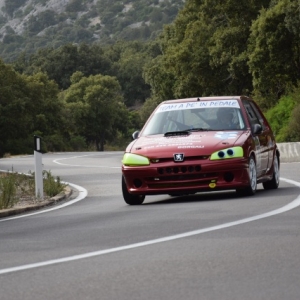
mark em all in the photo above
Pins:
pixel 215 98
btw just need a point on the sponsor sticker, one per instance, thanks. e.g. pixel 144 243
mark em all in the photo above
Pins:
pixel 199 104
pixel 223 135
pixel 213 184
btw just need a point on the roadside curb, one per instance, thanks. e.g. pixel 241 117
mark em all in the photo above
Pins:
pixel 65 194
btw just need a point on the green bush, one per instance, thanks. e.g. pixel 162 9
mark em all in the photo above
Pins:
pixel 16 187
pixel 284 117
pixel 279 117
pixel 292 134
pixel 7 190
pixel 77 143
pixel 52 186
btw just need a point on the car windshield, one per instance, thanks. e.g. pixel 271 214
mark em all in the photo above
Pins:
pixel 195 116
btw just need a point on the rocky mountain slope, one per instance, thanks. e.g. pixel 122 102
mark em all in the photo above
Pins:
pixel 27 25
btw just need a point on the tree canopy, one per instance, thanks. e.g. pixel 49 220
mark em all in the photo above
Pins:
pixel 94 104
pixel 274 56
pixel 28 106
pixel 205 49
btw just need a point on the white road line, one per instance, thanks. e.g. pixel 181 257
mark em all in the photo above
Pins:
pixel 283 209
pixel 56 161
pixel 82 194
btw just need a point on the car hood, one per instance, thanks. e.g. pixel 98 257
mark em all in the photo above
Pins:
pixel 196 143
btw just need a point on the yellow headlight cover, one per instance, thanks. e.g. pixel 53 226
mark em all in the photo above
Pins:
pixel 233 152
pixel 130 159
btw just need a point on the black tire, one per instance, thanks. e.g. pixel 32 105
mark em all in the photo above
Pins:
pixel 251 189
pixel 129 198
pixel 274 182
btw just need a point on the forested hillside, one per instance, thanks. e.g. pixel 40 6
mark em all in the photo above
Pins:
pixel 82 96
pixel 27 25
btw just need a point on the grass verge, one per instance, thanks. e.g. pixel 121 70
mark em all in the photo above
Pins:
pixel 15 188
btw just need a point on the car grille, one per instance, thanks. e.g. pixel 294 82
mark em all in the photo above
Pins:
pixel 166 185
pixel 181 169
pixel 187 158
pixel 180 180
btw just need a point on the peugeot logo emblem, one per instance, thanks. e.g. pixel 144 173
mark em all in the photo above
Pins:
pixel 178 157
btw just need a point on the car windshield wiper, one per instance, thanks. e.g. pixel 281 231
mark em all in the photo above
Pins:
pixel 198 129
pixel 176 133
pixel 186 132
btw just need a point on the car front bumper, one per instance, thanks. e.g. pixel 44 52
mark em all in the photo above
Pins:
pixel 186 177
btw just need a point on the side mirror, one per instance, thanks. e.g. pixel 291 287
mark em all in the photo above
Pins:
pixel 135 135
pixel 257 128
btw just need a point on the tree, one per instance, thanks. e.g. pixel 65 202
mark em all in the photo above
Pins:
pixel 284 117
pixel 204 49
pixel 274 56
pixel 61 63
pixel 294 125
pixel 74 6
pixel 129 71
pixel 160 79
pixel 279 117
pixel 94 103
pixel 12 5
pixel 41 21
pixel 128 61
pixel 44 106
pixel 124 60
pixel 14 119
pixel 28 106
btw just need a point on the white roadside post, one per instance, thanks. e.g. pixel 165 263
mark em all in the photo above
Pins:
pixel 39 190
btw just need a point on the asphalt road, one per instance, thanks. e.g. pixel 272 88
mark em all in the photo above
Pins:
pixel 206 246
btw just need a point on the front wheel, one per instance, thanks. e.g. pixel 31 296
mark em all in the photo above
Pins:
pixel 251 189
pixel 274 182
pixel 129 198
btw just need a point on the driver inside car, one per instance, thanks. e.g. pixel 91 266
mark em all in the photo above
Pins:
pixel 225 119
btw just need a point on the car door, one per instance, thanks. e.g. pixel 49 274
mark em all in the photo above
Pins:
pixel 269 141
pixel 260 138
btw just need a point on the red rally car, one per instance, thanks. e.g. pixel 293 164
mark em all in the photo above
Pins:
pixel 201 144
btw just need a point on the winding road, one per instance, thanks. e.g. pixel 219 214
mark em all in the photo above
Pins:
pixel 206 246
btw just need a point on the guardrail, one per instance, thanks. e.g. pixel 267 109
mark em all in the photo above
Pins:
pixel 289 152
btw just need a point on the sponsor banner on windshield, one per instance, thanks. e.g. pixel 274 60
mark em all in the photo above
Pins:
pixel 199 104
